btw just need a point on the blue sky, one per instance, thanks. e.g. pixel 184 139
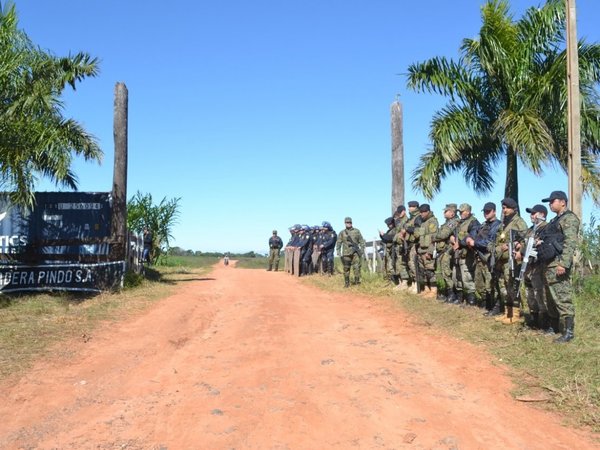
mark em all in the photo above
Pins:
pixel 267 113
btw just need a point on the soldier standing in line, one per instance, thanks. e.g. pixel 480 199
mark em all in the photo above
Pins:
pixel 464 256
pixel 445 291
pixel 483 244
pixel 328 247
pixel 507 294
pixel 408 240
pixel 401 268
pixel 562 229
pixel 275 244
pixel 534 274
pixel 389 257
pixel 425 248
pixel 350 246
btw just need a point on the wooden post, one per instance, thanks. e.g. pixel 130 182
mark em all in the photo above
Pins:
pixel 397 156
pixel 574 111
pixel 119 191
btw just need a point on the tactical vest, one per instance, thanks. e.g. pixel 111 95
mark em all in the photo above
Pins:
pixel 427 231
pixel 462 232
pixel 516 224
pixel 442 237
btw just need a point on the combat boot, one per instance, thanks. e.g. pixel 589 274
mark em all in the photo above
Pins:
pixel 270 267
pixel 346 281
pixel 458 299
pixel 568 331
pixel 276 267
pixel 543 321
pixel 507 312
pixel 470 299
pixel 495 311
pixel 533 321
pixel 356 281
pixel 442 295
pixel 451 297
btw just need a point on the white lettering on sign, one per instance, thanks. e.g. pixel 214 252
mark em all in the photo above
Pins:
pixel 81 205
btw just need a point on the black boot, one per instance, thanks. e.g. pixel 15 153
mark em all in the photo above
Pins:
pixel 395 280
pixel 451 297
pixel 543 322
pixel 276 267
pixel 495 311
pixel 356 280
pixel 442 295
pixel 270 267
pixel 470 299
pixel 346 281
pixel 553 326
pixel 568 331
pixel 533 321
pixel 458 299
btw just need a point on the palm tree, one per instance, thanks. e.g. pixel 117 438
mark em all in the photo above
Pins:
pixel 508 100
pixel 35 139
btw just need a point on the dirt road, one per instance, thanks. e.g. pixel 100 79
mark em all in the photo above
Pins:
pixel 249 359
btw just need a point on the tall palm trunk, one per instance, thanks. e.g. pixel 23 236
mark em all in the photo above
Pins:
pixel 511 187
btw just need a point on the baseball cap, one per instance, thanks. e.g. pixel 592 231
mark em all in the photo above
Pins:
pixel 537 209
pixel 510 203
pixel 560 195
pixel 489 206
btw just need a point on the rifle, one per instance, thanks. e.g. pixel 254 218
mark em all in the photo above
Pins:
pixel 418 278
pixel 353 244
pixel 529 252
pixel 511 258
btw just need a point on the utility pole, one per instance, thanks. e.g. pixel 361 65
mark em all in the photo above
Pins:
pixel 119 191
pixel 574 111
pixel 397 156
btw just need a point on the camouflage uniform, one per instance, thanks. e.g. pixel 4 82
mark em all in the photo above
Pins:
pixel 408 258
pixel 425 247
pixel 275 244
pixel 444 261
pixel 534 277
pixel 507 294
pixel 401 246
pixel 351 246
pixel 389 258
pixel 464 257
pixel 559 290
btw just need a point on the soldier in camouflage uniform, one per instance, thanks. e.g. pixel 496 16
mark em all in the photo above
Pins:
pixel 425 247
pixel 534 274
pixel 400 220
pixel 408 240
pixel 511 221
pixel 275 244
pixel 464 256
pixel 444 261
pixel 350 246
pixel 389 257
pixel 557 252
pixel 483 244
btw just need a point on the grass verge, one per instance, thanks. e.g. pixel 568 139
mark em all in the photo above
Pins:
pixel 30 325
pixel 565 378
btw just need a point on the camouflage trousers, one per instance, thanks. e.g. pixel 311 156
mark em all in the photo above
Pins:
pixel 464 274
pixel 559 293
pixel 389 262
pixel 402 264
pixel 506 286
pixel 535 289
pixel 412 253
pixel 352 261
pixel 443 270
pixel 483 278
pixel 274 257
pixel 427 268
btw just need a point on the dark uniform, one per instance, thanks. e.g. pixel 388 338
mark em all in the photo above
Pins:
pixel 275 245
pixel 328 241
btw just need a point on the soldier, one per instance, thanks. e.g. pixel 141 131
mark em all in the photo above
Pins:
pixel 483 244
pixel 402 274
pixel 390 254
pixel 328 241
pixel 350 246
pixel 464 256
pixel 445 283
pixel 557 250
pixel 275 244
pixel 507 295
pixel 407 239
pixel 533 278
pixel 425 248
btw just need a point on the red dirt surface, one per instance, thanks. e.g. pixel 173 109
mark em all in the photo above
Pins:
pixel 249 359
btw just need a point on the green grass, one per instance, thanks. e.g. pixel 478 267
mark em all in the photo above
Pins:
pixel 256 263
pixel 568 375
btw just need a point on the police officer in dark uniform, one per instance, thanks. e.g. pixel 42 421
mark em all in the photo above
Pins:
pixel 328 241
